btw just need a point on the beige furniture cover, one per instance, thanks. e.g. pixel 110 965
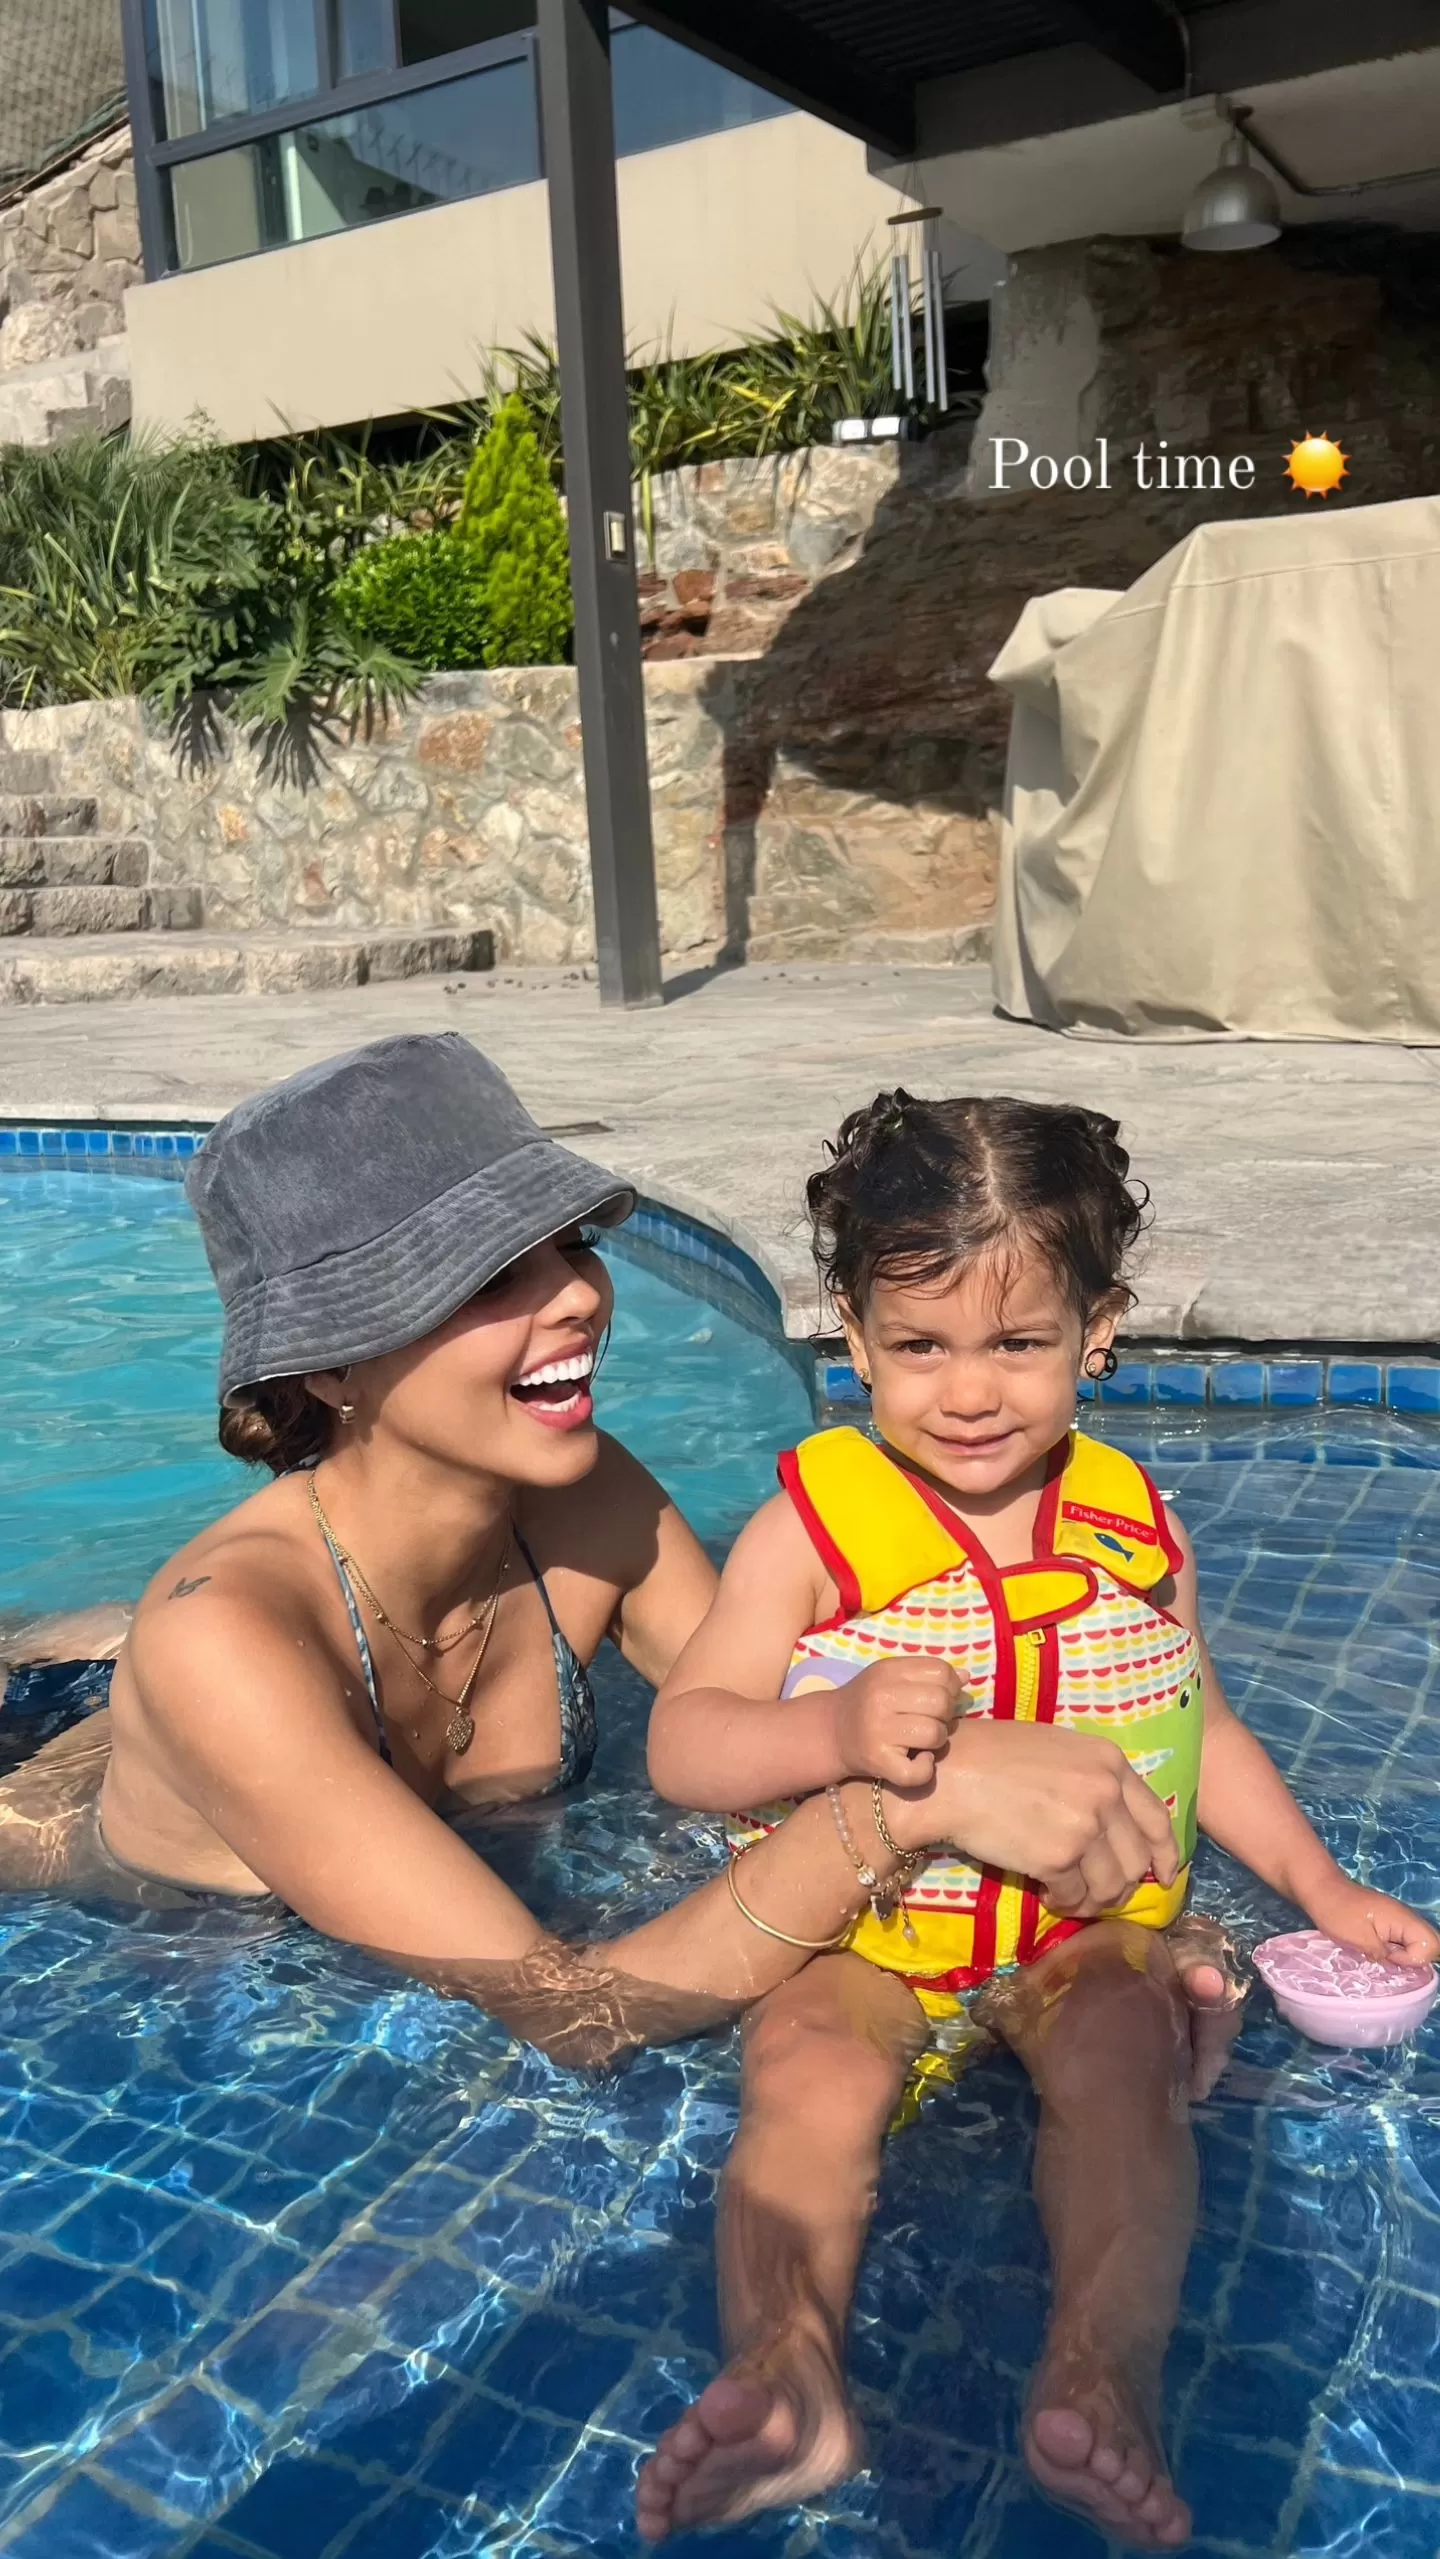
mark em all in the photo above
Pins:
pixel 1222 806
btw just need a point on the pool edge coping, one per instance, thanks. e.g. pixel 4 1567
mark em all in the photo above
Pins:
pixel 1172 1372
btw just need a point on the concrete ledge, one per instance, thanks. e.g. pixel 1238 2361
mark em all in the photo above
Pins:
pixel 1296 1186
pixel 96 968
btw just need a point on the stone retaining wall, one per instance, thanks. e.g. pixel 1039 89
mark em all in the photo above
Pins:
pixel 469 810
pixel 68 250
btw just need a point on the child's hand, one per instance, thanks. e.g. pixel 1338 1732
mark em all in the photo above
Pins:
pixel 1374 1924
pixel 894 1720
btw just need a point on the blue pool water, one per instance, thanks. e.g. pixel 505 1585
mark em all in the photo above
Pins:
pixel 297 2262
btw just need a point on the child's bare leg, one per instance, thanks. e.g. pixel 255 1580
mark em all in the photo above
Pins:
pixel 1103 2028
pixel 826 2058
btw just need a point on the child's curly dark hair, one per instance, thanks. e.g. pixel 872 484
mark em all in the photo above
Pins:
pixel 915 1190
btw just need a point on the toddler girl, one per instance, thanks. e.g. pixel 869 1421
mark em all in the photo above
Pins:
pixel 978 1554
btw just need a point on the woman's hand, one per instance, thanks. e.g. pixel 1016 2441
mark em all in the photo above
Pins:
pixel 1034 1800
pixel 1372 1923
pixel 894 1719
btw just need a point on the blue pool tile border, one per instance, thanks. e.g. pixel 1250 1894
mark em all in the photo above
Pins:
pixel 1227 1382
pixel 689 1241
pixel 1224 1381
pixel 67 1147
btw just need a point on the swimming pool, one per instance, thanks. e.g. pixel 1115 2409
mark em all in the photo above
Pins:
pixel 297 2260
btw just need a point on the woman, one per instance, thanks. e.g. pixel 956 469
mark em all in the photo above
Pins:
pixel 401 1620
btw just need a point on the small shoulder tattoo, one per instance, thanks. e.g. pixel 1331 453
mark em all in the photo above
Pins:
pixel 186 1590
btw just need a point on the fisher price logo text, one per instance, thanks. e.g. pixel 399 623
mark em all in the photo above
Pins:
pixel 1153 466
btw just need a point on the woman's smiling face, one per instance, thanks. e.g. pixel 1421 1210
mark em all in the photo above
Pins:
pixel 504 1384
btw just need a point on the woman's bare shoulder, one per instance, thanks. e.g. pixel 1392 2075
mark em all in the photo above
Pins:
pixel 248 1574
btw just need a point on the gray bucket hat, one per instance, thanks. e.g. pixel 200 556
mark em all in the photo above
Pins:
pixel 350 1209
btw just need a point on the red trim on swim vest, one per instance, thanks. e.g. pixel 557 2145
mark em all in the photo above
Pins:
pixel 1047 1707
pixel 971 1976
pixel 838 1566
pixel 1067 1608
pixel 1167 1544
pixel 992 1882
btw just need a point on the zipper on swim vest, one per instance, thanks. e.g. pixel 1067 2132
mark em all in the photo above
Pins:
pixel 1010 1912
pixel 1028 1649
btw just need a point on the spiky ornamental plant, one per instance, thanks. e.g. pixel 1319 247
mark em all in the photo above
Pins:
pixel 511 525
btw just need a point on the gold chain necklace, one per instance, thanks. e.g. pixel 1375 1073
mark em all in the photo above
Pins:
pixel 427 1643
pixel 460 1730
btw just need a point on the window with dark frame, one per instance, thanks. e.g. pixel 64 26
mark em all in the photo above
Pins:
pixel 267 122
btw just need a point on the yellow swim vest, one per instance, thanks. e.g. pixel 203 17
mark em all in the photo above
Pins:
pixel 1069 1638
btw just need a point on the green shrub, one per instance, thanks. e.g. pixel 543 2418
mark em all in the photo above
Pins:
pixel 421 594
pixel 512 528
pixel 125 567
pixel 134 566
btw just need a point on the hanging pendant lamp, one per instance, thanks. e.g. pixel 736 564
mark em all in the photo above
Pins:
pixel 1236 207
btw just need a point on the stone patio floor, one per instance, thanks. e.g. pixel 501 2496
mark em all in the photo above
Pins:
pixel 1296 1185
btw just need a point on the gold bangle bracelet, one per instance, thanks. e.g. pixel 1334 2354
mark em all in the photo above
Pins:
pixel 808 1945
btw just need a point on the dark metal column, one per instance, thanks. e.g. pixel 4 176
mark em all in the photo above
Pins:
pixel 579 131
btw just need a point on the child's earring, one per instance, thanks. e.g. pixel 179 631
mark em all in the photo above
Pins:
pixel 1099 1365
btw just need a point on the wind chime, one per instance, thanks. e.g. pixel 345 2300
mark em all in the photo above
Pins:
pixel 932 306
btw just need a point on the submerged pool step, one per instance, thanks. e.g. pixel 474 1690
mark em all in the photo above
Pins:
pixel 100 967
pixel 87 908
pixel 73 861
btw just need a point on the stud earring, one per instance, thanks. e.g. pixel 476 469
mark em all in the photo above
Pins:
pixel 1100 1365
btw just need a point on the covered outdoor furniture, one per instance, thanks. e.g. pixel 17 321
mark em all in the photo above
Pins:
pixel 1222 803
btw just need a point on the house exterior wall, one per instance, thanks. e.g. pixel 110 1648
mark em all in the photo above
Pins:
pixel 715 233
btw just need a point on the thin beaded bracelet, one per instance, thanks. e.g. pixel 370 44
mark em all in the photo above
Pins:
pixel 870 1881
pixel 883 1897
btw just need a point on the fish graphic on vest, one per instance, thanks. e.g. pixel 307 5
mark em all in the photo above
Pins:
pixel 1072 1638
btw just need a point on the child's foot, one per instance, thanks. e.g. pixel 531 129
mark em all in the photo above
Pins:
pixel 1091 2443
pixel 776 2427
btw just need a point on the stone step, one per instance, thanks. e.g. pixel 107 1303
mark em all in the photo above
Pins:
pixel 21 815
pixel 23 769
pixel 73 861
pixel 110 967
pixel 83 393
pixel 87 909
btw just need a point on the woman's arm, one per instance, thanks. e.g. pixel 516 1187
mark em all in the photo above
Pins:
pixel 671 1581
pixel 1247 1808
pixel 251 1717
pixel 620 1560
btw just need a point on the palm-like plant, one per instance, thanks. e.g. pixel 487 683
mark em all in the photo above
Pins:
pixel 128 565
pixel 772 397
pixel 125 567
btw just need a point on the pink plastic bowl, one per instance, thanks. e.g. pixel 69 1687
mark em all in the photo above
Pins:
pixel 1338 1997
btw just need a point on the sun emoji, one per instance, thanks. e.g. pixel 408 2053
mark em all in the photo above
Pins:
pixel 1316 465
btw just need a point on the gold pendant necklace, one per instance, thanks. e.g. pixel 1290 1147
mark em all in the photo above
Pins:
pixel 460 1730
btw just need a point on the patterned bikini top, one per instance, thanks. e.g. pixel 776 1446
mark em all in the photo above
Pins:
pixel 578 1735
